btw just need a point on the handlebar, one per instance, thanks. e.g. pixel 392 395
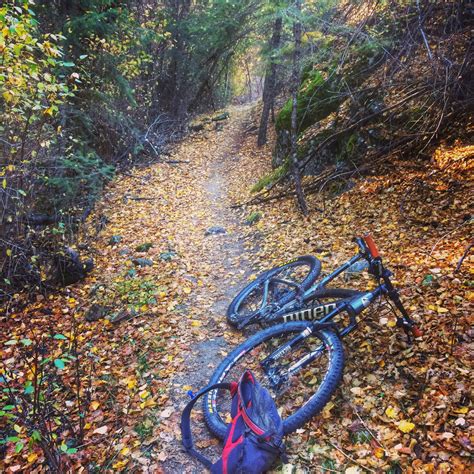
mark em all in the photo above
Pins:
pixel 367 246
pixel 369 241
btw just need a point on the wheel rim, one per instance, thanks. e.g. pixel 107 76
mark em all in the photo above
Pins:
pixel 294 394
pixel 251 301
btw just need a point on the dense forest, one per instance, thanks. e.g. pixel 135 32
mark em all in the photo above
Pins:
pixel 323 98
pixel 90 88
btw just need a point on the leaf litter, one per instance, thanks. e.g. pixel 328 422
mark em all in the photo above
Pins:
pixel 400 407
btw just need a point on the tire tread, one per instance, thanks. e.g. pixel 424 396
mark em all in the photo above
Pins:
pixel 305 413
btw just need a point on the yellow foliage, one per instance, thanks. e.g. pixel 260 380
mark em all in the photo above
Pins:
pixel 405 426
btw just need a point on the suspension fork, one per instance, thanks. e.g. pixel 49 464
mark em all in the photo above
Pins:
pixel 404 322
pixel 298 339
pixel 275 375
pixel 352 307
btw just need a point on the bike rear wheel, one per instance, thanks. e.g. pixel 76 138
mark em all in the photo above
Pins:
pixel 276 286
pixel 302 396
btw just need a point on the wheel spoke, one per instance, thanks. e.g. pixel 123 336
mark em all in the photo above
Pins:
pixel 293 391
pixel 272 289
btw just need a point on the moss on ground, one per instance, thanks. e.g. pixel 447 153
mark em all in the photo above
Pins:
pixel 270 178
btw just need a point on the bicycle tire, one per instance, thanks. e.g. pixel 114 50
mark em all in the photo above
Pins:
pixel 330 380
pixel 233 316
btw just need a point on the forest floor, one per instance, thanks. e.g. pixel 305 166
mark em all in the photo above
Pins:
pixel 401 407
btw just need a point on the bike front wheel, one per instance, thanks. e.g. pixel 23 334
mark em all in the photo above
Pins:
pixel 302 395
pixel 277 286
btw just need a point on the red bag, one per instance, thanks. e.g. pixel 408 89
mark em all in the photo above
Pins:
pixel 254 438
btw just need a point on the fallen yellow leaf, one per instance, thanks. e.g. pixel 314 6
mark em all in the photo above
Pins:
pixel 148 403
pixel 120 465
pixel 95 405
pixel 405 426
pixel 124 451
pixel 327 410
pixel 379 453
pixel 144 394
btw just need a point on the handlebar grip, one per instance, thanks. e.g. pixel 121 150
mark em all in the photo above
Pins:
pixel 416 331
pixel 369 241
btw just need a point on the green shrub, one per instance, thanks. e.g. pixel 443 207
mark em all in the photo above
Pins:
pixel 82 178
pixel 253 218
pixel 137 292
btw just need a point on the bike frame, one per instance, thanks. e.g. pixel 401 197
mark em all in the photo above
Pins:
pixel 352 307
pixel 287 312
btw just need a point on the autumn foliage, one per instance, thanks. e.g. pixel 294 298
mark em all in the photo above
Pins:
pixel 98 159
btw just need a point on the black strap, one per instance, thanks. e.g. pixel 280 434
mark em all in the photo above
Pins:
pixel 185 424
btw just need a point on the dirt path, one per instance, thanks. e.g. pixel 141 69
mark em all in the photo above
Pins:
pixel 148 324
pixel 200 259
pixel 224 262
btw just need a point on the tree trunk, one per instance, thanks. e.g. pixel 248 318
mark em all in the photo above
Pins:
pixel 295 169
pixel 178 67
pixel 270 83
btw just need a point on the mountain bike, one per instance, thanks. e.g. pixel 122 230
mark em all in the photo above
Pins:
pixel 301 360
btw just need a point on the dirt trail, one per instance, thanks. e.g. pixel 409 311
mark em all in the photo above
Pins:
pixel 169 256
pixel 224 262
pixel 200 259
